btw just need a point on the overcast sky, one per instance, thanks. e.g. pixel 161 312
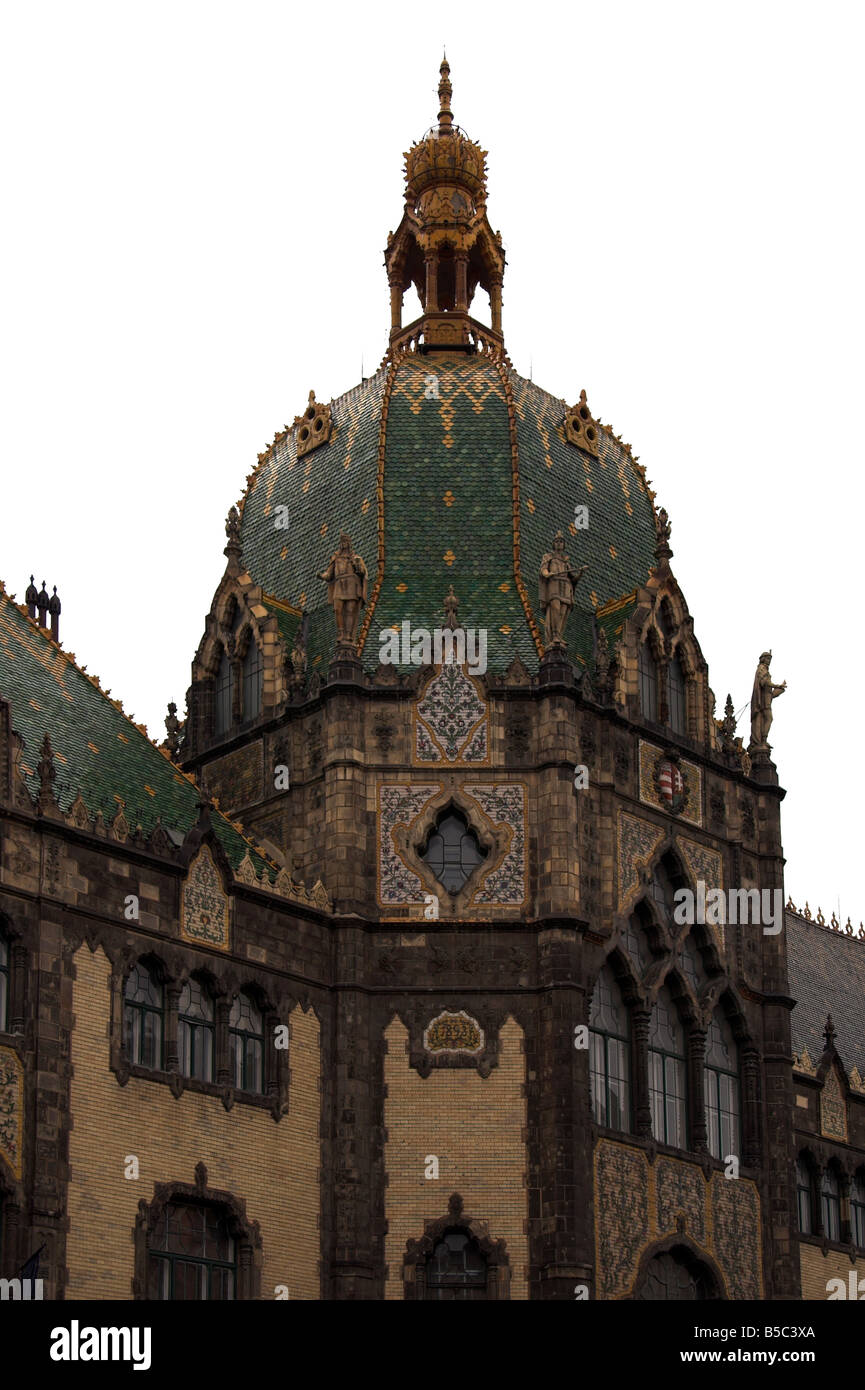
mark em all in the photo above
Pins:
pixel 197 197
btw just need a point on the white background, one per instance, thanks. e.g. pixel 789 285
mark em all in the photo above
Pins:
pixel 196 200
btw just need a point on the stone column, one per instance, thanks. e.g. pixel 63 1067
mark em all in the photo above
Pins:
pixel 395 306
pixel 496 303
pixel 172 1024
pixel 640 1021
pixel 560 1201
pixel 221 1070
pixel 461 291
pixel 431 299
pixel 696 1102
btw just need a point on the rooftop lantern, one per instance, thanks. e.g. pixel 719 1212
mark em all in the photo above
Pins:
pixel 444 244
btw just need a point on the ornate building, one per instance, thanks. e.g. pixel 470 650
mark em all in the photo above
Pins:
pixel 372 981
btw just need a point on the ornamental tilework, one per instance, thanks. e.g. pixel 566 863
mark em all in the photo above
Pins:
pixel 638 1204
pixel 506 885
pixel 833 1108
pixel 680 1189
pixel 453 1032
pixel 11 1108
pixel 398 805
pixel 621 1216
pixel 204 904
pixel 736 1236
pixel 692 811
pixel 451 719
pixel 705 866
pixel 638 840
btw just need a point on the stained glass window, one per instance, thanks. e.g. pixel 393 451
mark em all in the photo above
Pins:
pixel 453 851
pixel 143 1017
pixel 830 1204
pixel 457 1269
pixel 805 1197
pixel 676 696
pixel 246 1044
pixel 721 1088
pixel 191 1254
pixel 609 1054
pixel 667 1073
pixel 252 679
pixel 648 682
pixel 224 696
pixel 195 1031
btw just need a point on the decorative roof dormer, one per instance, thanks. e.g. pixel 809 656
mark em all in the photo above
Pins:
pixel 444 244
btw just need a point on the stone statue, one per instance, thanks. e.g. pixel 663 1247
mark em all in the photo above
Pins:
pixel 763 694
pixel 175 728
pixel 557 586
pixel 346 580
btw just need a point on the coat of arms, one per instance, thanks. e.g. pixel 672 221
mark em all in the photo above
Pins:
pixel 671 784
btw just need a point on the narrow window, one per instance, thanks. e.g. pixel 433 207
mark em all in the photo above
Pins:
pixel 804 1198
pixel 857 1211
pixel 195 1035
pixel 721 1089
pixel 830 1205
pixel 143 1014
pixel 609 1054
pixel 667 1072
pixel 191 1254
pixel 224 696
pixel 676 696
pixel 246 1044
pixel 4 983
pixel 648 682
pixel 252 678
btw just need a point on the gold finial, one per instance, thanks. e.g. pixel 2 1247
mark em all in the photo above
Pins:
pixel 446 118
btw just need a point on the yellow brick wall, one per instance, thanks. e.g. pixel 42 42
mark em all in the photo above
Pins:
pixel 817 1269
pixel 272 1167
pixel 476 1128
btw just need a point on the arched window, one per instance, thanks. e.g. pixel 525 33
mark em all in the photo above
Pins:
pixel 456 1270
pixel 252 678
pixel 453 851
pixel 721 1088
pixel 667 1073
pixel 830 1204
pixel 857 1210
pixel 648 671
pixel 609 1054
pixel 4 983
pixel 191 1254
pixel 195 1031
pixel 246 1044
pixel 692 964
pixel 804 1197
pixel 143 1009
pixel 223 695
pixel 676 696
pixel 676 1276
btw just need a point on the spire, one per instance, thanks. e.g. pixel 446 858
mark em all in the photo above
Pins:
pixel 31 598
pixel 232 531
pixel 446 118
pixel 444 245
